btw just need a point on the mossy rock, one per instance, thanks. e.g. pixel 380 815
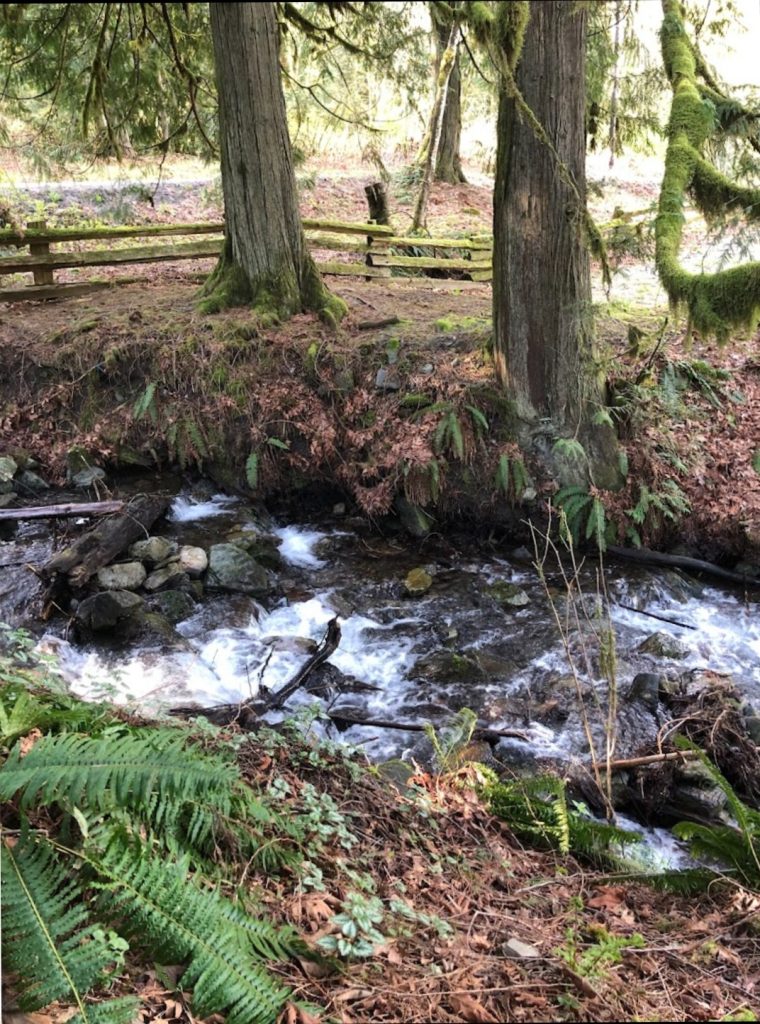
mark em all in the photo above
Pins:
pixel 173 605
pixel 508 595
pixel 447 667
pixel 663 645
pixel 418 581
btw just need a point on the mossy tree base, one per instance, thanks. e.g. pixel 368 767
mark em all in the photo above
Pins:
pixel 273 298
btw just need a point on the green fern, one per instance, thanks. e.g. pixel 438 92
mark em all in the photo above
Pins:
pixel 577 507
pixel 184 923
pixel 449 436
pixel 511 477
pixel 146 403
pixel 450 740
pixel 47 937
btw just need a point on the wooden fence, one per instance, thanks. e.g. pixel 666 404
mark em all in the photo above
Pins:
pixel 366 250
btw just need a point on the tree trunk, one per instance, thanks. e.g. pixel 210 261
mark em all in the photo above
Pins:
pixel 543 340
pixel 265 261
pixel 448 164
pixel 430 147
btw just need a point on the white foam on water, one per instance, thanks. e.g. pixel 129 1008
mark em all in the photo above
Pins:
pixel 297 546
pixel 187 510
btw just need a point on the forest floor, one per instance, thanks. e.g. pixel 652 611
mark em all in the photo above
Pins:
pixel 136 373
pixel 361 409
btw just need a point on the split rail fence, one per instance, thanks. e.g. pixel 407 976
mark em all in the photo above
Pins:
pixel 366 250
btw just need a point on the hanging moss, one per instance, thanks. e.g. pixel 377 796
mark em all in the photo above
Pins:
pixel 730 298
pixel 511 25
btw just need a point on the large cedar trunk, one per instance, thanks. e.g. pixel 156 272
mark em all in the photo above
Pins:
pixel 543 330
pixel 265 261
pixel 448 165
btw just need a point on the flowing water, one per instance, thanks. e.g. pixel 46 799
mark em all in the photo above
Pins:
pixel 419 658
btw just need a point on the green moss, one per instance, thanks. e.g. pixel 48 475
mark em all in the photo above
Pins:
pixel 511 25
pixel 730 298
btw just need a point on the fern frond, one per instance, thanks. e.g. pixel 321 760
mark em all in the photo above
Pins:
pixel 187 924
pixel 46 938
pixel 115 1011
pixel 155 770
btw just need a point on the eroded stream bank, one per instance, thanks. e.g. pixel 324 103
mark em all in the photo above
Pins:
pixel 474 628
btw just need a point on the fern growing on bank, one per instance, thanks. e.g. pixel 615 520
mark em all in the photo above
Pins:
pixel 137 817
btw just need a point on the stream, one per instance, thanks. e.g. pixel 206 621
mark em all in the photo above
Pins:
pixel 484 635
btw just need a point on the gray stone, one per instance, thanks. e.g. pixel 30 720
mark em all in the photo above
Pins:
pixel 174 605
pixel 8 467
pixel 414 520
pixel 752 725
pixel 88 477
pixel 516 949
pixel 103 611
pixel 193 560
pixel 747 569
pixel 230 568
pixel 6 486
pixel 153 549
pixel 7 499
pixel 508 595
pixel 32 481
pixel 418 581
pixel 161 578
pixel 646 689
pixel 123 576
pixel 262 547
pixel 663 645
pixel 387 379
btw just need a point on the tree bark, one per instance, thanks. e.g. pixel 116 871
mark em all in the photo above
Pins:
pixel 448 163
pixel 265 261
pixel 543 331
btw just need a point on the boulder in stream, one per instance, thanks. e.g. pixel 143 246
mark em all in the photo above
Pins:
pixel 153 549
pixel 88 477
pixel 174 605
pixel 663 645
pixel 103 611
pixel 418 581
pixel 122 576
pixel 230 568
pixel 170 577
pixel 193 560
pixel 508 595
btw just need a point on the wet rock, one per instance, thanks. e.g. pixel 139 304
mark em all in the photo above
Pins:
pixel 747 569
pixel 174 605
pixel 291 644
pixel 508 595
pixel 123 576
pixel 6 486
pixel 193 560
pixel 171 577
pixel 414 520
pixel 231 568
pixel 153 549
pixel 663 645
pixel 417 582
pixel 88 477
pixel 494 666
pixel 264 548
pixel 103 611
pixel 646 689
pixel 32 482
pixel 447 667
pixel 7 499
pixel 398 773
pixel 8 467
pixel 694 803
pixel 752 725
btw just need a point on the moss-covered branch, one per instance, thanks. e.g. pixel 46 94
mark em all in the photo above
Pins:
pixel 731 298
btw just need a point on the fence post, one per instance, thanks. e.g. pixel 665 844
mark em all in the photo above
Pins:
pixel 42 275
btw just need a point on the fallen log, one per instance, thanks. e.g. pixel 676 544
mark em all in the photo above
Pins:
pixel 481 732
pixel 104 542
pixel 646 557
pixel 247 713
pixel 83 508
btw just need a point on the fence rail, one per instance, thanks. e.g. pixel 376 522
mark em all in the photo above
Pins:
pixel 378 249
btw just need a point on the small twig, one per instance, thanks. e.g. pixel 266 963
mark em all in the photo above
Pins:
pixel 653 615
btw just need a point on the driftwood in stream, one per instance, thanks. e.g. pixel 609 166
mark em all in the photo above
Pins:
pixel 74 508
pixel 645 557
pixel 247 712
pixel 104 542
pixel 481 732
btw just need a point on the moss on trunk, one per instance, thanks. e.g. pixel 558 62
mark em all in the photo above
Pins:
pixel 729 298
